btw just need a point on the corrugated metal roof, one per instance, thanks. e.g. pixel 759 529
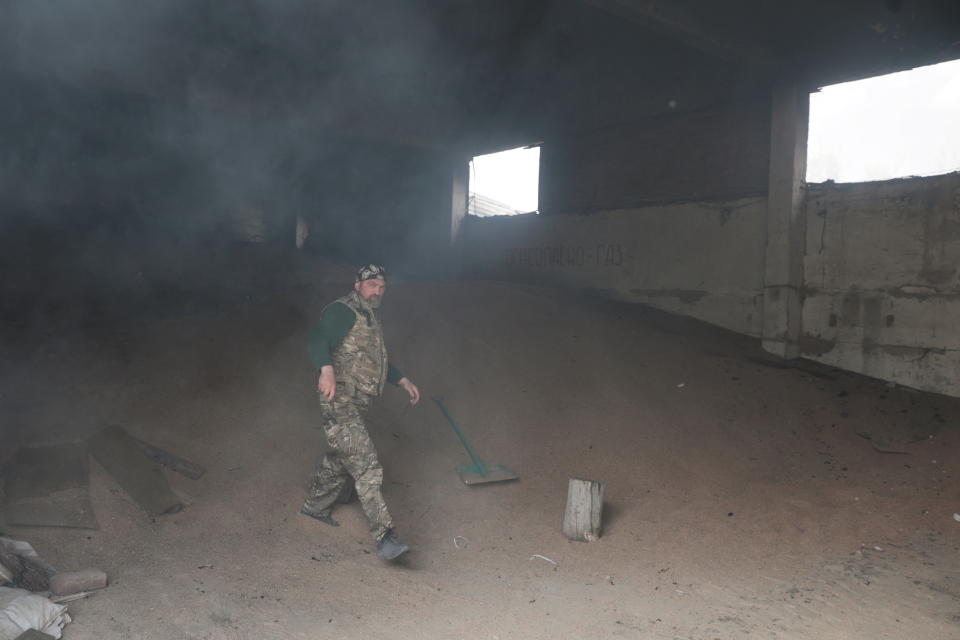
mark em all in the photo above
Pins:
pixel 484 206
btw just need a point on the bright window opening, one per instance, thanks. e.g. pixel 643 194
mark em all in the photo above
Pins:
pixel 894 126
pixel 504 183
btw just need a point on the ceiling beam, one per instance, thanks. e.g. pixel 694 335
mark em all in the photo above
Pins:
pixel 685 27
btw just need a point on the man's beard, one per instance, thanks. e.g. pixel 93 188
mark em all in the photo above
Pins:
pixel 374 301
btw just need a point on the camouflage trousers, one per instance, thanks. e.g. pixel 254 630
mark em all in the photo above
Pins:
pixel 351 454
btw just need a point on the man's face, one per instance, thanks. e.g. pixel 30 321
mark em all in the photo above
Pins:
pixel 371 290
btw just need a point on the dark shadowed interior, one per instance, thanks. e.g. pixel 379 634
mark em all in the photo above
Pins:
pixel 764 374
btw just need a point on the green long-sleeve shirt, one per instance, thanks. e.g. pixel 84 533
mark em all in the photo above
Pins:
pixel 335 322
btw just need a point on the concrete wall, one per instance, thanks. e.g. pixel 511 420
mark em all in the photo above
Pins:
pixel 667 210
pixel 882 292
pixel 701 259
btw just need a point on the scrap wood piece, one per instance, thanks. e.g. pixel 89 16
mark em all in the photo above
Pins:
pixel 172 461
pixel 70 598
pixel 70 508
pixel 139 476
pixel 581 520
pixel 48 486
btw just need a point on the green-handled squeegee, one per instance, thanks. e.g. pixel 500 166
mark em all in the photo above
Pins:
pixel 478 472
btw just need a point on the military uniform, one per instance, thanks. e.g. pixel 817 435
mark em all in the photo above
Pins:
pixel 360 364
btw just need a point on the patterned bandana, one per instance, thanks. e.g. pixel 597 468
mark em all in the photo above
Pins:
pixel 371 271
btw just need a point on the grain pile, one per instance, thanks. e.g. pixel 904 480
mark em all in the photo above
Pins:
pixel 742 498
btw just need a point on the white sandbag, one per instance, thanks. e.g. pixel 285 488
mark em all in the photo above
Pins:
pixel 9 630
pixel 21 610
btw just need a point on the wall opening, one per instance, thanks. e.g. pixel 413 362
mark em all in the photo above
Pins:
pixel 505 183
pixel 893 126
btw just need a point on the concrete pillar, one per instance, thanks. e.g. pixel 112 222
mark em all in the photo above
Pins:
pixel 447 246
pixel 786 228
pixel 461 178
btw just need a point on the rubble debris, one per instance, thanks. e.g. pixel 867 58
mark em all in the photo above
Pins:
pixel 140 477
pixel 70 582
pixel 27 569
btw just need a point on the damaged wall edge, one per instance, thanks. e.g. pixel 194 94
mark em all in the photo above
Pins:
pixel 882 290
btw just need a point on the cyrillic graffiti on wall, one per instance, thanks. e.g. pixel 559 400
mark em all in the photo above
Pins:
pixel 601 255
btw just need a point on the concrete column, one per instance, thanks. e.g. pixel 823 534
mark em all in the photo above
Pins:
pixel 786 228
pixel 461 178
pixel 453 212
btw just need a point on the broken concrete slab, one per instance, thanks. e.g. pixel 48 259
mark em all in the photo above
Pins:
pixel 140 477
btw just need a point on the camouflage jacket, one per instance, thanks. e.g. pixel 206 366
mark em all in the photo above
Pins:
pixel 360 360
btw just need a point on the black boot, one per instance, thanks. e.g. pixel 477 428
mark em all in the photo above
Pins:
pixel 389 548
pixel 317 515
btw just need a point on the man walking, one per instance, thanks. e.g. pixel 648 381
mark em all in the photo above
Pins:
pixel 348 350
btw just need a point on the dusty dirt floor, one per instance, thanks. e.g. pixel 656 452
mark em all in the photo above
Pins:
pixel 741 501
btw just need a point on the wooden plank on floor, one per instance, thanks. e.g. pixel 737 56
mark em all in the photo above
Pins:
pixel 581 521
pixel 140 477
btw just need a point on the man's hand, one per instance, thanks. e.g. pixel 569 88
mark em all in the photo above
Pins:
pixel 411 389
pixel 327 384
